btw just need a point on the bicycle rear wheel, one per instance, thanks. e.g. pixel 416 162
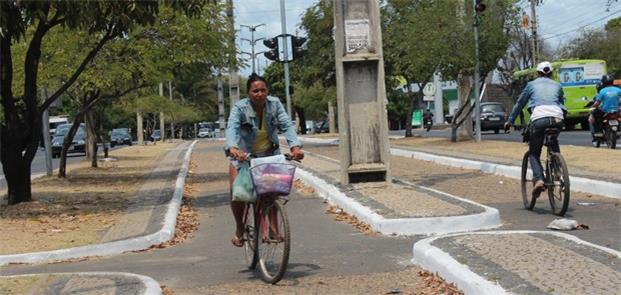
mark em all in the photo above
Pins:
pixel 559 192
pixel 250 237
pixel 274 242
pixel 527 184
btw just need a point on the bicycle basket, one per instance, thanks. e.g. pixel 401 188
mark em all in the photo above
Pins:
pixel 273 179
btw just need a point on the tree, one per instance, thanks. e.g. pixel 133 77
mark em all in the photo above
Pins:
pixel 22 109
pixel 598 44
pixel 415 43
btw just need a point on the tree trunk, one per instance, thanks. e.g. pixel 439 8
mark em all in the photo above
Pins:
pixel 91 138
pixel 408 120
pixel 17 173
pixel 464 132
pixel 90 134
pixel 62 167
pixel 331 119
pixel 302 119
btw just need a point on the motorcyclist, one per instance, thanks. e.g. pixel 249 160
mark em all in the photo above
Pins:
pixel 606 101
pixel 427 117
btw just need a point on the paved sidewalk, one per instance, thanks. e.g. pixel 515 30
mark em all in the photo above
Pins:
pixel 521 262
pixel 80 283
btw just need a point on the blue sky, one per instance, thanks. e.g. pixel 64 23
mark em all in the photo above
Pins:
pixel 559 20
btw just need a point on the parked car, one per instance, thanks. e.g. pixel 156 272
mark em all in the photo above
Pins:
pixel 120 136
pixel 204 133
pixel 321 127
pixel 77 146
pixel 156 135
pixel 493 116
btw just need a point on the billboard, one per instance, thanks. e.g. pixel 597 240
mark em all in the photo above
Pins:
pixel 580 75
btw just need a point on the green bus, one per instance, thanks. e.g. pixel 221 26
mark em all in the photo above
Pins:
pixel 578 78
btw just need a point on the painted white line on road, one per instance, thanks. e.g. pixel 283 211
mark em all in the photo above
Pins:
pixel 489 218
pixel 582 184
pixel 151 286
pixel 117 247
pixel 435 260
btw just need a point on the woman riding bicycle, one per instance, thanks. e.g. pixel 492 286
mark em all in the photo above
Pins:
pixel 546 104
pixel 253 128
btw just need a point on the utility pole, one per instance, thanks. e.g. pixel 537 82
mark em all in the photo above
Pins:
pixel 533 40
pixel 477 7
pixel 172 124
pixel 252 42
pixel 220 105
pixel 139 128
pixel 233 75
pixel 162 123
pixel 283 20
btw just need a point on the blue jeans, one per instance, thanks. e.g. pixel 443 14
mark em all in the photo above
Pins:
pixel 537 136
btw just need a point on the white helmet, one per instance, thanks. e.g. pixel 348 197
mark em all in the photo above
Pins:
pixel 544 67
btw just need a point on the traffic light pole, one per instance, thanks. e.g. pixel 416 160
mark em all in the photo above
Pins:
pixel 283 20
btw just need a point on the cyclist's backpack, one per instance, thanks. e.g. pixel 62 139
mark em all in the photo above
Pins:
pixel 243 190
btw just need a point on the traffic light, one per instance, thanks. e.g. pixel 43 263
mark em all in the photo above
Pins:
pixel 297 43
pixel 479 6
pixel 272 44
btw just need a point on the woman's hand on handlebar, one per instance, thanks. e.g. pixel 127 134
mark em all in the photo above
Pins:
pixel 237 154
pixel 296 153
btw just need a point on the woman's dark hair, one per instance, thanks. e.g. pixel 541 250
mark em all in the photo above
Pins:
pixel 253 78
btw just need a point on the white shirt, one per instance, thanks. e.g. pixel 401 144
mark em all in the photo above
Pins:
pixel 543 111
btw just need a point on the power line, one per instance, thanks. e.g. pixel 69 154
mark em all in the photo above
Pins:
pixel 582 27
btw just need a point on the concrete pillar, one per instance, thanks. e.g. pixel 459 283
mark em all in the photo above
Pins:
pixel 438 101
pixel 361 93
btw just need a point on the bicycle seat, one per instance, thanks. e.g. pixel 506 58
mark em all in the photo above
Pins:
pixel 551 131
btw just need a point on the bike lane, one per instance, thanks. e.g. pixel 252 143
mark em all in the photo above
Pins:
pixel 533 260
pixel 327 256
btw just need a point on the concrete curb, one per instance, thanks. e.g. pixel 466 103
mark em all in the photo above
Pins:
pixel 591 186
pixel 581 184
pixel 117 247
pixel 490 218
pixel 434 259
pixel 152 287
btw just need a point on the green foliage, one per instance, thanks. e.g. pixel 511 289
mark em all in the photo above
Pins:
pixel 314 99
pixel 598 44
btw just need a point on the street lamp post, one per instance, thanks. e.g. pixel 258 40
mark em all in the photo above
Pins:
pixel 252 42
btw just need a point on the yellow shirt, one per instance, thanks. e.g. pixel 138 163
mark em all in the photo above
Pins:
pixel 262 142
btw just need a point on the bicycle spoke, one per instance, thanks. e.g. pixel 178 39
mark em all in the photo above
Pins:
pixel 274 240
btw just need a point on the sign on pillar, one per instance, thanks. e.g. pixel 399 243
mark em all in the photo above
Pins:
pixel 361 94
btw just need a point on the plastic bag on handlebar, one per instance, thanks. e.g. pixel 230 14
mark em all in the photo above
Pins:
pixel 243 189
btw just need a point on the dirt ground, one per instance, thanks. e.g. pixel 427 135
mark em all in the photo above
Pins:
pixel 412 280
pixel 590 159
pixel 25 285
pixel 78 210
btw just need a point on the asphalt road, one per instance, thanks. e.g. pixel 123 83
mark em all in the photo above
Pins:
pixel 577 138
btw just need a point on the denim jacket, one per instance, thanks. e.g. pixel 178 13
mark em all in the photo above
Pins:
pixel 243 125
pixel 541 91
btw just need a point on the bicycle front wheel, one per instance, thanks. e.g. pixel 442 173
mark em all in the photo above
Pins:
pixel 527 184
pixel 250 237
pixel 274 242
pixel 558 193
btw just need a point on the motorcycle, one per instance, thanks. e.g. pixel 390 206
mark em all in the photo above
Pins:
pixel 428 123
pixel 610 128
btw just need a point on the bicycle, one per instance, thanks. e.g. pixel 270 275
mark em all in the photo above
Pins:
pixel 556 177
pixel 267 236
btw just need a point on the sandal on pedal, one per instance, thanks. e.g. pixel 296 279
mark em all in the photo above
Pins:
pixel 237 241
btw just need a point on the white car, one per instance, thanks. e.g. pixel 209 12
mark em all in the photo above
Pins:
pixel 204 132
